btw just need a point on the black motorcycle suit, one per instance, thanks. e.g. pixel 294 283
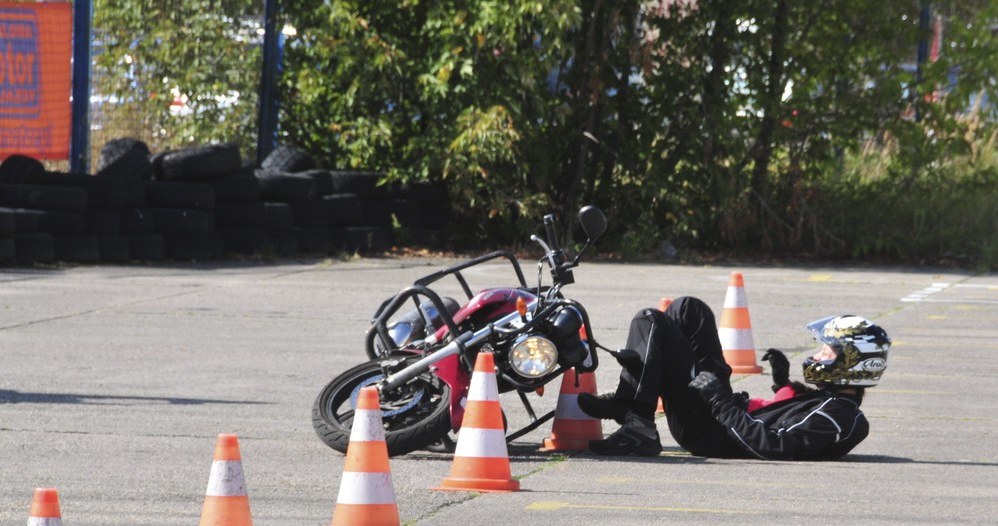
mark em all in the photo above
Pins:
pixel 676 345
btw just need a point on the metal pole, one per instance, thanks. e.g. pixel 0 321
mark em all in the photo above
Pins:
pixel 79 154
pixel 925 15
pixel 267 125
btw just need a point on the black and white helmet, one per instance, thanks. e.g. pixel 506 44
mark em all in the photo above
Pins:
pixel 860 346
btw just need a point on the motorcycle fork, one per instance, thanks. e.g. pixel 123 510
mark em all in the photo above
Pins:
pixel 450 371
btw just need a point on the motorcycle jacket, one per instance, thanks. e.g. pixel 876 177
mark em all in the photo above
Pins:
pixel 816 425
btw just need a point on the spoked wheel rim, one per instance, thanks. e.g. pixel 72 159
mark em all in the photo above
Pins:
pixel 414 415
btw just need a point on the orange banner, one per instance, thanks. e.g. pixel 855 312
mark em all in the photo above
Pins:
pixel 36 49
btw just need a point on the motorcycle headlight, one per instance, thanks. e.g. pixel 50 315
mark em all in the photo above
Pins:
pixel 533 356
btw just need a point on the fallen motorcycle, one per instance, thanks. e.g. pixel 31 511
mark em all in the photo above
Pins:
pixel 421 360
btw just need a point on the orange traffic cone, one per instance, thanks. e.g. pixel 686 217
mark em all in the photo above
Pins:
pixel 573 429
pixel 226 502
pixel 735 329
pixel 481 462
pixel 664 304
pixel 45 508
pixel 366 495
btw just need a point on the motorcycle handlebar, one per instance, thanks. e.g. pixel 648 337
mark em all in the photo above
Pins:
pixel 552 234
pixel 467 339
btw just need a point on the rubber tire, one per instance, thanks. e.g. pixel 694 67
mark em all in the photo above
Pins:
pixel 331 210
pixel 310 214
pixel 363 184
pixel 125 158
pixel 344 209
pixel 114 249
pixel 283 241
pixel 236 188
pixel 20 168
pixel 156 160
pixel 378 212
pixel 362 239
pixel 245 241
pixel 26 220
pixel 170 194
pixel 34 248
pixel 8 223
pixel 62 223
pixel 146 247
pixel 314 240
pixel 241 215
pixel 285 187
pixel 103 223
pixel 135 193
pixel 8 251
pixel 183 248
pixel 288 159
pixel 77 249
pixel 322 179
pixel 43 197
pixel 137 221
pixel 337 434
pixel 183 222
pixel 199 163
pixel 105 193
pixel 279 215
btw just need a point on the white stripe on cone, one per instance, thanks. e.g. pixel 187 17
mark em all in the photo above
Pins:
pixel 366 488
pixel 735 298
pixel 483 387
pixel 476 442
pixel 44 521
pixel 226 479
pixel 367 426
pixel 736 339
pixel 568 408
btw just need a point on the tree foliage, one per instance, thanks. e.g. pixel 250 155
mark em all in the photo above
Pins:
pixel 202 57
pixel 750 125
pixel 710 122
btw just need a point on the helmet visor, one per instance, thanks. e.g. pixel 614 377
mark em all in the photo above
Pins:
pixel 817 330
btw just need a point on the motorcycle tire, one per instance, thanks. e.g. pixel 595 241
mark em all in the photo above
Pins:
pixel 416 416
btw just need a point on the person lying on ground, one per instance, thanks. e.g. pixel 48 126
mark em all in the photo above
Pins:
pixel 676 355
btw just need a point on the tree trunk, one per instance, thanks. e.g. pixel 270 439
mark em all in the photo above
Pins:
pixel 774 93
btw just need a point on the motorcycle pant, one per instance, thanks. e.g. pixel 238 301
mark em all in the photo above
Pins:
pixel 674 347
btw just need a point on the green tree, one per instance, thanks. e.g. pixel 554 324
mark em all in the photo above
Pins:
pixel 764 125
pixel 506 101
pixel 203 53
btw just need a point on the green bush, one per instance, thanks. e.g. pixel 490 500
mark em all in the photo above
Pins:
pixel 942 212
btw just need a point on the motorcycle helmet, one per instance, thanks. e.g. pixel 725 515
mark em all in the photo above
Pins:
pixel 860 352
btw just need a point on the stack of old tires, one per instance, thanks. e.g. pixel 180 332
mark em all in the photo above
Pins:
pixel 7 232
pixel 325 205
pixel 199 203
pixel 182 198
pixel 127 161
pixel 62 216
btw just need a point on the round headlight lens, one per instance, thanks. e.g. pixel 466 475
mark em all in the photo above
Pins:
pixel 534 356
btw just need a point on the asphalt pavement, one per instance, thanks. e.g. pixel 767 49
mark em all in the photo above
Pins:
pixel 115 382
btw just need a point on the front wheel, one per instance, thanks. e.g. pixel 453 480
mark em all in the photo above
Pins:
pixel 415 415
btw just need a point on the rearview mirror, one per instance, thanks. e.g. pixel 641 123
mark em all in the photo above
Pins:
pixel 593 222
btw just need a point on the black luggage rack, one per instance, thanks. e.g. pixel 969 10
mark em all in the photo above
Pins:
pixel 420 289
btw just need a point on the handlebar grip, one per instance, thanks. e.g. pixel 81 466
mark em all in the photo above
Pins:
pixel 552 235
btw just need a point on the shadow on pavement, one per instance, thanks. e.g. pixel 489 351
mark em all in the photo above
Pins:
pixel 884 459
pixel 16 397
